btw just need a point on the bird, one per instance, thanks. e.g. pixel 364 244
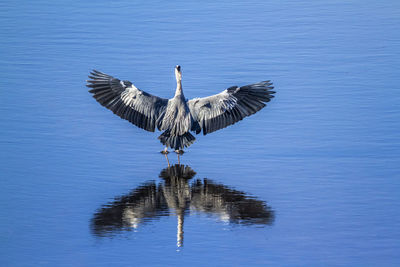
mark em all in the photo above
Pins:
pixel 178 116
pixel 178 195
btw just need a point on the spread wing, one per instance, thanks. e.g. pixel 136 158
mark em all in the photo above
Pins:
pixel 230 106
pixel 126 101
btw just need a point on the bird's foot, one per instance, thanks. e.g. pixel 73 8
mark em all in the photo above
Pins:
pixel 179 151
pixel 165 151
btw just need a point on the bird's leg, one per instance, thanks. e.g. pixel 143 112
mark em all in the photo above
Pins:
pixel 165 151
pixel 167 159
pixel 179 152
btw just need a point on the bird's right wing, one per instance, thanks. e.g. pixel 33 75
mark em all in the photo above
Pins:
pixel 127 101
pixel 230 106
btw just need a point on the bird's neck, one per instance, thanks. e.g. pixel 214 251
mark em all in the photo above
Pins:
pixel 178 88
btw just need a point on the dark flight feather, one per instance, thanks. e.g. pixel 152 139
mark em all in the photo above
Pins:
pixel 126 101
pixel 230 106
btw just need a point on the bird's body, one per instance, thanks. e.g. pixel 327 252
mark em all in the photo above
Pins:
pixel 178 116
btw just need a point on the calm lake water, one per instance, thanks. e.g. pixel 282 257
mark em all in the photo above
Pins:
pixel 313 179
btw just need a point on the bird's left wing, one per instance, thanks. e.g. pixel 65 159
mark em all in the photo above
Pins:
pixel 230 106
pixel 127 101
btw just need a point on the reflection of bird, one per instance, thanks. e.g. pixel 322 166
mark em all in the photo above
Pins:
pixel 178 116
pixel 176 196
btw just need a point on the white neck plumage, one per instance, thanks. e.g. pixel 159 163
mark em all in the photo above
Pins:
pixel 178 76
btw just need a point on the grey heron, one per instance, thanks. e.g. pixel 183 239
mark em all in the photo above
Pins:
pixel 177 116
pixel 177 195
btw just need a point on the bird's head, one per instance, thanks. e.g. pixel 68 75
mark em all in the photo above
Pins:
pixel 178 73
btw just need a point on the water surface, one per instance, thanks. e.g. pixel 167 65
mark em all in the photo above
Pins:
pixel 312 179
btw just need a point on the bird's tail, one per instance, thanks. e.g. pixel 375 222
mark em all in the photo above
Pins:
pixel 176 142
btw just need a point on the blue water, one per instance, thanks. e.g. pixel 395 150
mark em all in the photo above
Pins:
pixel 312 179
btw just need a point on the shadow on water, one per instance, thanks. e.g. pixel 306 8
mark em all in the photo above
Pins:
pixel 176 196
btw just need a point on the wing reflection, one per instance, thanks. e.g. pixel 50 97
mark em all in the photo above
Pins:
pixel 176 196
